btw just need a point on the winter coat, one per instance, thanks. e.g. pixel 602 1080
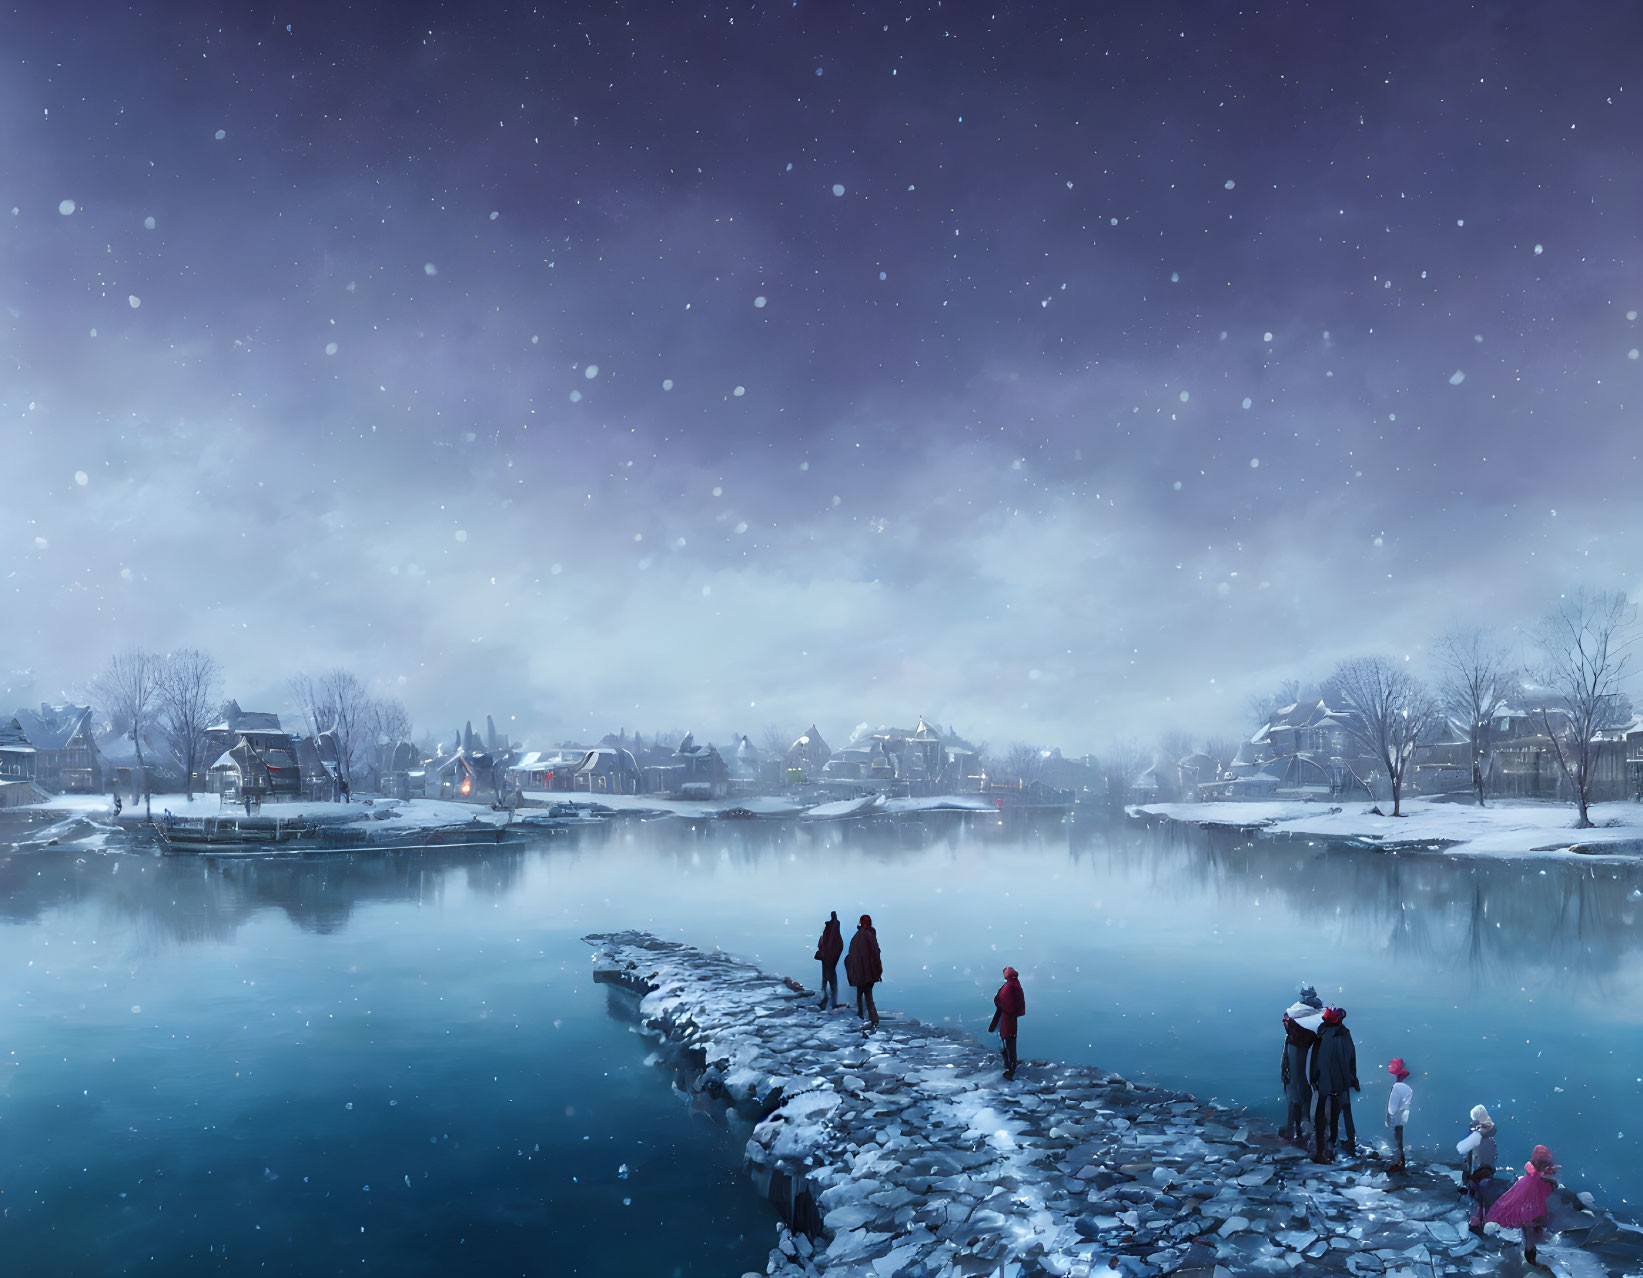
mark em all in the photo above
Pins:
pixel 1525 1202
pixel 863 966
pixel 1335 1061
pixel 1480 1159
pixel 1298 1043
pixel 1011 1003
pixel 831 944
pixel 1397 1104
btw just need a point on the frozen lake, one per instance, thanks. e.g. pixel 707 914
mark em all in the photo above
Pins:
pixel 203 1057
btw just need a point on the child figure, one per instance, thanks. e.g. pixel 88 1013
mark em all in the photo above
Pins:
pixel 1523 1206
pixel 1479 1175
pixel 1397 1106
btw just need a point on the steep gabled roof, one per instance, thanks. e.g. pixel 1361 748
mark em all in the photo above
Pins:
pixel 53 727
pixel 12 736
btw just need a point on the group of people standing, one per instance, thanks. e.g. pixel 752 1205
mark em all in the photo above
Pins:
pixel 1320 1069
pixel 864 968
pixel 863 965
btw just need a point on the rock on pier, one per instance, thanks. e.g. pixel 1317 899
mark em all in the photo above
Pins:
pixel 904 1152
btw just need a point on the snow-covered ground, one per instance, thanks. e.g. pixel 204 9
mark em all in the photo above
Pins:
pixel 395 813
pixel 1501 828
pixel 760 805
pixel 909 1153
pixel 764 805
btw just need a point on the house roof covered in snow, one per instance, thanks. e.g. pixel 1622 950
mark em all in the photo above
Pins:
pixel 12 737
pixel 53 727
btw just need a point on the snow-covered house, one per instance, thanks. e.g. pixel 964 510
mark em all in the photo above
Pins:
pixel 1194 770
pixel 700 771
pixel 746 762
pixel 607 770
pixel 466 775
pixel 546 769
pixel 17 753
pixel 64 738
pixel 1304 750
pixel 261 727
pixel 1443 760
pixel 317 763
pixel 262 768
pixel 807 756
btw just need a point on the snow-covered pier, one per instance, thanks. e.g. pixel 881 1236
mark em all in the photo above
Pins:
pixel 906 1153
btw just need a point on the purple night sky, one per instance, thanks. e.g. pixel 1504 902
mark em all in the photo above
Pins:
pixel 1055 371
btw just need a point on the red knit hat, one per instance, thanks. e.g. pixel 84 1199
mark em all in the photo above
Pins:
pixel 1398 1069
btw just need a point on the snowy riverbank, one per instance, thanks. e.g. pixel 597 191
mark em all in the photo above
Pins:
pixel 905 1152
pixel 1503 828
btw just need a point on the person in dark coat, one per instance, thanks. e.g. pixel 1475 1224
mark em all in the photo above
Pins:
pixel 1301 1023
pixel 1334 1079
pixel 1008 1004
pixel 864 968
pixel 828 950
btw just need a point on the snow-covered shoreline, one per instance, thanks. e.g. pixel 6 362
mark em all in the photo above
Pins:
pixel 1503 828
pixel 905 1152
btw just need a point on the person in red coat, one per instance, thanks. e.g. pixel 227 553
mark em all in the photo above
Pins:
pixel 864 968
pixel 828 950
pixel 1008 1004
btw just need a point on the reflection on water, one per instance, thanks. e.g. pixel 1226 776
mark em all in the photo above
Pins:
pixel 190 1033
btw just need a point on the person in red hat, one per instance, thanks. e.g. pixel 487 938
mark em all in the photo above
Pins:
pixel 1523 1206
pixel 864 968
pixel 1334 1079
pixel 1008 1004
pixel 1397 1106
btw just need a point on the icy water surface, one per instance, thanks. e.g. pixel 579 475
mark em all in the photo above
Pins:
pixel 397 1064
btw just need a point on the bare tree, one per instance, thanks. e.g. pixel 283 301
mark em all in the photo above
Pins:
pixel 1263 705
pixel 1176 745
pixel 1123 763
pixel 127 690
pixel 185 697
pixel 1021 763
pixel 1586 652
pixel 390 721
pixel 1476 681
pixel 776 741
pixel 1223 750
pixel 1391 712
pixel 338 703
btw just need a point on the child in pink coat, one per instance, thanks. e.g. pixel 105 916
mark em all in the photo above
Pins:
pixel 1523 1206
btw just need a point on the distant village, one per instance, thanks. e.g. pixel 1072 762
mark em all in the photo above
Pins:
pixel 80 749
pixel 1304 749
pixel 1371 731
